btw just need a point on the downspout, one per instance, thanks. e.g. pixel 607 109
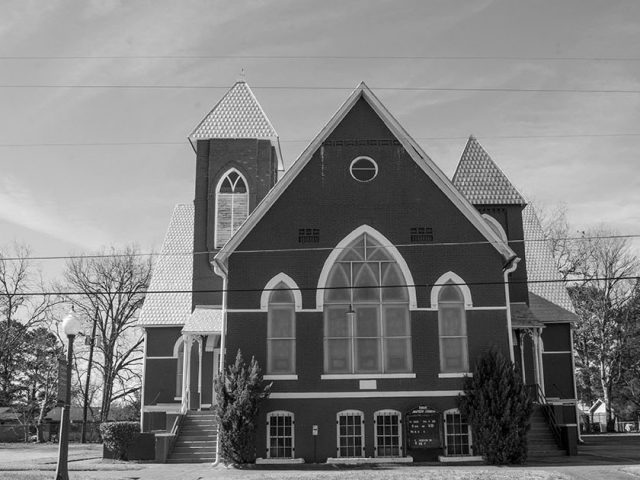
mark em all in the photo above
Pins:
pixel 508 268
pixel 144 375
pixel 219 269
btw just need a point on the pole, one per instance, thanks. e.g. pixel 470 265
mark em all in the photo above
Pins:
pixel 62 473
pixel 86 387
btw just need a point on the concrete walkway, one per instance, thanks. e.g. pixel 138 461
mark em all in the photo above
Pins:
pixel 615 457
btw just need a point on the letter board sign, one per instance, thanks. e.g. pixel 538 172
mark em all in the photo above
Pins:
pixel 423 428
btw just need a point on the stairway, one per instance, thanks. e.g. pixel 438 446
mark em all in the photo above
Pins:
pixel 197 439
pixel 540 439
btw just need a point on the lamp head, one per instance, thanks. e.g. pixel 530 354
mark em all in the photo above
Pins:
pixel 71 324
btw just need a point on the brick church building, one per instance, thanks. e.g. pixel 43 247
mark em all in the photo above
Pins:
pixel 363 280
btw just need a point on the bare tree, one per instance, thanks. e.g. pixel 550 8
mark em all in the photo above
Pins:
pixel 21 310
pixel 601 297
pixel 109 289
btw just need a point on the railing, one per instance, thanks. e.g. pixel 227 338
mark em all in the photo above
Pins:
pixel 175 431
pixel 547 410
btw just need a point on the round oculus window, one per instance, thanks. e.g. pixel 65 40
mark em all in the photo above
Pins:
pixel 363 169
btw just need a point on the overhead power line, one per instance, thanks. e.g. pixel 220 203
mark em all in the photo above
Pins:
pixel 327 57
pixel 330 88
pixel 308 249
pixel 313 288
pixel 184 142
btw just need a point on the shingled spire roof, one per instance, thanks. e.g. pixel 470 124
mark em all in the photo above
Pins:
pixel 237 115
pixel 481 181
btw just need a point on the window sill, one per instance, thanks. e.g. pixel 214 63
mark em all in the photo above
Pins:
pixel 455 375
pixel 280 377
pixel 279 461
pixel 177 398
pixel 460 459
pixel 365 376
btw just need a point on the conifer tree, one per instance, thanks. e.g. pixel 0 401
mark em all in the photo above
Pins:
pixel 240 391
pixel 498 409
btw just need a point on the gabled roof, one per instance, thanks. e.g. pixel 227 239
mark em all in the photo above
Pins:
pixel 481 181
pixel 172 272
pixel 523 317
pixel 410 145
pixel 237 115
pixel 544 279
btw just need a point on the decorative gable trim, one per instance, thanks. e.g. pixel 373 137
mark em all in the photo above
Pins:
pixel 410 145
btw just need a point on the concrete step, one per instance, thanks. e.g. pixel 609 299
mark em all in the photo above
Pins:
pixel 198 438
pixel 194 450
pixel 192 459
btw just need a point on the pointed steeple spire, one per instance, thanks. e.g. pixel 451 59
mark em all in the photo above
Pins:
pixel 237 115
pixel 481 181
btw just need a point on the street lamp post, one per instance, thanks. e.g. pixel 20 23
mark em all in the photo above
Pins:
pixel 71 325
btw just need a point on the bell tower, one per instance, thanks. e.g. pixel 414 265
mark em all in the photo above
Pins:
pixel 237 162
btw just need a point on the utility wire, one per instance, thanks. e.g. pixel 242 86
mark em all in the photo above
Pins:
pixel 331 88
pixel 323 57
pixel 314 288
pixel 484 137
pixel 308 249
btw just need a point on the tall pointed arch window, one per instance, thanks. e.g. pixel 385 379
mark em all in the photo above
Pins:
pixel 232 205
pixel 366 312
pixel 281 331
pixel 452 326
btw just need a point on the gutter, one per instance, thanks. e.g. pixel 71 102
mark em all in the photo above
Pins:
pixel 219 269
pixel 509 267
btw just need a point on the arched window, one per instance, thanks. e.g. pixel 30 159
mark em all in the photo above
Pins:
pixel 457 438
pixel 350 433
pixel 452 326
pixel 281 331
pixel 366 312
pixel 388 433
pixel 179 354
pixel 280 435
pixel 232 205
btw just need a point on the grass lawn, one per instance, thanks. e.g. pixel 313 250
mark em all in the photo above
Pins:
pixel 400 473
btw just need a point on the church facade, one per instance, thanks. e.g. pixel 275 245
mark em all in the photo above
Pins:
pixel 363 280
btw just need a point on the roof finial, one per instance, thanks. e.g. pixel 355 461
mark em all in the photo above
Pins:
pixel 242 77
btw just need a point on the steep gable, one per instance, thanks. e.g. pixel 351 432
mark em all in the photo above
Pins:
pixel 481 181
pixel 238 114
pixel 386 124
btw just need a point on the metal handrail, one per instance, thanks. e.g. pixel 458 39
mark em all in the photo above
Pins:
pixel 175 431
pixel 547 410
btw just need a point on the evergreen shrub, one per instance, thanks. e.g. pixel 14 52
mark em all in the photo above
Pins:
pixel 240 391
pixel 498 408
pixel 118 436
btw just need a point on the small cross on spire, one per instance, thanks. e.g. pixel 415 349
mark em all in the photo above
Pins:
pixel 242 77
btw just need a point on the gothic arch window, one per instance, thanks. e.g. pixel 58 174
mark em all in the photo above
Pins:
pixel 232 205
pixel 452 328
pixel 281 331
pixel 367 328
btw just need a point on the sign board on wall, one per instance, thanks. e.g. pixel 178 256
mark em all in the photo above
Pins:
pixel 423 428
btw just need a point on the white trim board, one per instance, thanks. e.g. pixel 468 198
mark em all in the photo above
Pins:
pixel 364 376
pixel 367 394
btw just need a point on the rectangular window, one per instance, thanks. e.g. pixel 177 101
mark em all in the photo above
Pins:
pixel 350 434
pixel 453 338
pixel 457 434
pixel 281 340
pixel 280 435
pixel 388 434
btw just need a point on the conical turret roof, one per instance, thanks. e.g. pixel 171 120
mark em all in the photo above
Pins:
pixel 481 181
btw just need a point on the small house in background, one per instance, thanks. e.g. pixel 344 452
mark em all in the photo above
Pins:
pixel 52 422
pixel 364 281
pixel 11 428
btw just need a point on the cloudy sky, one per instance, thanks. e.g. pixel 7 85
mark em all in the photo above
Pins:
pixel 93 153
